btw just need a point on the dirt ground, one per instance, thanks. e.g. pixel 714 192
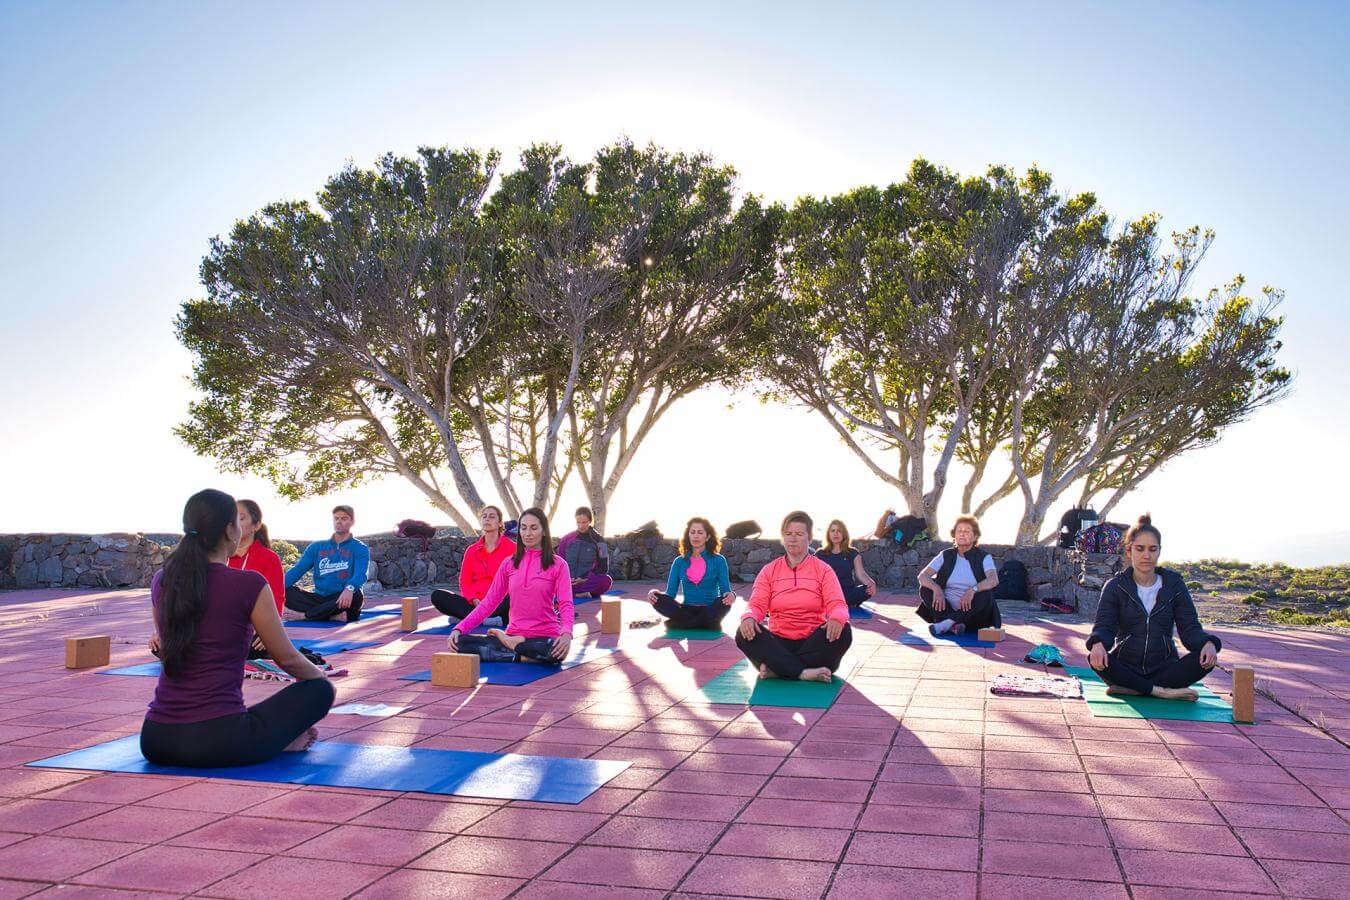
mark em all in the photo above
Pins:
pixel 1274 594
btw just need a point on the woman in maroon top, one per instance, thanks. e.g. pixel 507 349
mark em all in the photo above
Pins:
pixel 205 616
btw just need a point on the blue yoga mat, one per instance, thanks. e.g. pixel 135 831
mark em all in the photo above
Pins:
pixel 323 648
pixel 519 673
pixel 499 776
pixel 924 639
pixel 329 623
pixel 859 612
pixel 614 593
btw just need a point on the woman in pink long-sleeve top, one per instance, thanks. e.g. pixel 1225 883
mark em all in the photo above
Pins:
pixel 540 586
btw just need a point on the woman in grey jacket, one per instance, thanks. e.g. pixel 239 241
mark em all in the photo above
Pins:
pixel 1131 643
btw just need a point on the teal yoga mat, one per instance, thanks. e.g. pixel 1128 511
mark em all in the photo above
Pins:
pixel 741 685
pixel 1209 708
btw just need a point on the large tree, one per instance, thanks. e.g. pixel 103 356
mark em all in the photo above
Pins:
pixel 685 311
pixel 341 342
pixel 893 307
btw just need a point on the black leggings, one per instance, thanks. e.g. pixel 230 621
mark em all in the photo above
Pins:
pixel 456 606
pixel 489 649
pixel 250 737
pixel 684 615
pixel 983 612
pixel 855 594
pixel 1178 673
pixel 321 606
pixel 787 657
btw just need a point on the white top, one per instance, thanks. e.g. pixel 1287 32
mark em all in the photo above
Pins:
pixel 962 578
pixel 1149 595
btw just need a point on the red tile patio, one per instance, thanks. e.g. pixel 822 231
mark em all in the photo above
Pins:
pixel 915 782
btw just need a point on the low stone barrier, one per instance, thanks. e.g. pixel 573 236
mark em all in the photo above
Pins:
pixel 130 560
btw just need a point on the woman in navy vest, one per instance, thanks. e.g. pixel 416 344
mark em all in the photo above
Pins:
pixel 1131 643
pixel 952 598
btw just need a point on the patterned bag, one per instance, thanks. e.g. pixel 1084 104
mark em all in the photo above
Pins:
pixel 1108 537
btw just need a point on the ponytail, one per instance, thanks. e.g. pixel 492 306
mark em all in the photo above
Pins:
pixel 182 597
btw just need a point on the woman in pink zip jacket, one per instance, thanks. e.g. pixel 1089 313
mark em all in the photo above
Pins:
pixel 540 586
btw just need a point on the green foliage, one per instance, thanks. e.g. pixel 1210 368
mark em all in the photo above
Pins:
pixel 288 552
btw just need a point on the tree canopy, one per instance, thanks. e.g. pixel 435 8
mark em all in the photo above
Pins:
pixel 492 336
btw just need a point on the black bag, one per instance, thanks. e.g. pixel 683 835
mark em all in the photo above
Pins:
pixel 908 529
pixel 415 528
pixel 646 529
pixel 1013 583
pixel 740 530
pixel 1072 522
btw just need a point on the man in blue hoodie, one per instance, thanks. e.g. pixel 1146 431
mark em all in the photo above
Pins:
pixel 339 566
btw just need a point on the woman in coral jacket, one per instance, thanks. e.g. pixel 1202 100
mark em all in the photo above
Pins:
pixel 806 633
pixel 480 564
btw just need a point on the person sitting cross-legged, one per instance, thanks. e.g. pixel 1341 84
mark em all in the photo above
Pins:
pixel 540 586
pixel 1131 645
pixel 847 563
pixel 951 596
pixel 807 631
pixel 587 557
pixel 479 566
pixel 339 565
pixel 700 574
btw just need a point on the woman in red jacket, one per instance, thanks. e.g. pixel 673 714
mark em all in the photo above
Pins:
pixel 480 564
pixel 255 554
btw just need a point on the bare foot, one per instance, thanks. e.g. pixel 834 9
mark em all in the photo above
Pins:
pixel 820 673
pixel 1186 694
pixel 303 742
pixel 1116 690
pixel 508 641
pixel 766 672
pixel 958 628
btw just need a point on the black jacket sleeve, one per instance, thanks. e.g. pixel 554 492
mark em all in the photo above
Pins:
pixel 1108 617
pixel 1192 633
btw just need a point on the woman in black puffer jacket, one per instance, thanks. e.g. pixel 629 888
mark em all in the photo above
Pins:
pixel 1131 643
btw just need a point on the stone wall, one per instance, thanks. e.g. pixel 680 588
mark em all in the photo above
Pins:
pixel 130 560
pixel 79 560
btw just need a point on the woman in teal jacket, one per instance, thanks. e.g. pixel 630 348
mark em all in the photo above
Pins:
pixel 700 573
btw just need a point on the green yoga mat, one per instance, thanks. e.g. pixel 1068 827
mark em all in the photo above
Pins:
pixel 692 634
pixel 741 685
pixel 1209 708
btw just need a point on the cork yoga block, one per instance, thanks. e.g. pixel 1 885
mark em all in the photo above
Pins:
pixel 454 669
pixel 990 634
pixel 87 652
pixel 611 616
pixel 410 605
pixel 1244 694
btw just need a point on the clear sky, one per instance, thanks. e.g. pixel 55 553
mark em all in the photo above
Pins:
pixel 134 132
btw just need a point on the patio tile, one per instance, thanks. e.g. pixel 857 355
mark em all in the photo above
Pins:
pixel 914 851
pixel 777 879
pixel 1176 837
pixel 282 876
pixel 674 834
pixel 1194 870
pixel 421 883
pixel 50 858
pixel 624 867
pixel 778 841
pixel 882 882
pixel 177 869
pixel 499 856
pixel 1049 861
pixel 377 846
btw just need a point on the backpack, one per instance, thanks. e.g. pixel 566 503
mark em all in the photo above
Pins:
pixel 1013 583
pixel 414 528
pixel 1108 537
pixel 905 530
pixel 1071 523
pixel 740 530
